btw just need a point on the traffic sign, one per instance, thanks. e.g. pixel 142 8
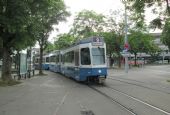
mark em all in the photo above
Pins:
pixel 126 46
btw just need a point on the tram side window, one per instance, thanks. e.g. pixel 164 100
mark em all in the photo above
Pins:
pixel 76 58
pixel 69 57
pixel 43 60
pixel 52 58
pixel 62 59
pixel 47 59
pixel 85 56
pixel 57 58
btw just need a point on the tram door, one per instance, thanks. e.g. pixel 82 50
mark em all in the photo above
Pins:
pixel 76 58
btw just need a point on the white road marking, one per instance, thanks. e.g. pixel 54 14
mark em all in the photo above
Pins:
pixel 61 103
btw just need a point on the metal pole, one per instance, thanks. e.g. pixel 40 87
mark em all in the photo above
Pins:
pixel 126 41
pixel 163 56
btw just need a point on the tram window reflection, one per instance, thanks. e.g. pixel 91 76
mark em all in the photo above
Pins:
pixel 85 56
pixel 98 56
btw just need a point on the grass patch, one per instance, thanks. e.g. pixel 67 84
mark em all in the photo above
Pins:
pixel 168 80
pixel 9 83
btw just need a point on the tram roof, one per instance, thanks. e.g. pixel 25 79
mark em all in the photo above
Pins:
pixel 89 40
pixel 86 40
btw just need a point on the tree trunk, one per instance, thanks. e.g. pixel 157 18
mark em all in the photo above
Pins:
pixel 110 59
pixel 6 64
pixel 119 60
pixel 41 60
pixel 135 58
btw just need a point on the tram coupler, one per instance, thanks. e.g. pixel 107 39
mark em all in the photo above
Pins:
pixel 101 80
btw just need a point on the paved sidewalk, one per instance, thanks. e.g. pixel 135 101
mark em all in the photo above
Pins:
pixel 54 95
pixel 154 76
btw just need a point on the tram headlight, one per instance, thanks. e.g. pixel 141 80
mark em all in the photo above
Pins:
pixel 99 71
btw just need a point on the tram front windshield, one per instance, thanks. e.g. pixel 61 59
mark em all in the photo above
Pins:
pixel 98 55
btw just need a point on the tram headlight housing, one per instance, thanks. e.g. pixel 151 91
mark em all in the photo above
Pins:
pixel 99 71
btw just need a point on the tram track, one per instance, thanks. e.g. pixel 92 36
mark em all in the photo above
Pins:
pixel 126 79
pixel 113 100
pixel 139 100
pixel 127 96
pixel 139 85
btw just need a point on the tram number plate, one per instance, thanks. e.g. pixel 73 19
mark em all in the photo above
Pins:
pixel 97 41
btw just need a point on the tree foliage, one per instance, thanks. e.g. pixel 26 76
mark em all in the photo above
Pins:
pixel 113 43
pixel 142 43
pixel 64 41
pixel 22 22
pixel 114 22
pixel 86 23
pixel 166 33
pixel 49 47
pixel 159 7
pixel 15 19
pixel 53 13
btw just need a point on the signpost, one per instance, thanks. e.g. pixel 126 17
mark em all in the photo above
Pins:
pixel 126 46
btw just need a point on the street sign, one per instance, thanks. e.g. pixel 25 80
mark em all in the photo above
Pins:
pixel 126 46
pixel 125 50
pixel 125 53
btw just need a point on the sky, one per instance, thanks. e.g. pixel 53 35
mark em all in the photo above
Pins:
pixel 75 6
pixel 99 6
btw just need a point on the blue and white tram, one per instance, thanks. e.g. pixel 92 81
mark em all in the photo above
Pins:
pixel 45 63
pixel 55 61
pixel 86 60
pixel 52 57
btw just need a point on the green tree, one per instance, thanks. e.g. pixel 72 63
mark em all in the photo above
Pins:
pixel 86 23
pixel 159 7
pixel 53 14
pixel 154 51
pixel 64 41
pixel 166 33
pixel 24 22
pixel 141 43
pixel 115 27
pixel 50 47
pixel 113 44
pixel 15 19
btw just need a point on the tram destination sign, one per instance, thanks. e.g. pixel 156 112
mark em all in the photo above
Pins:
pixel 97 41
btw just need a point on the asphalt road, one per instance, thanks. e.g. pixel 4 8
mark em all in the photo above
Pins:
pixel 147 86
pixel 54 95
pixel 57 95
